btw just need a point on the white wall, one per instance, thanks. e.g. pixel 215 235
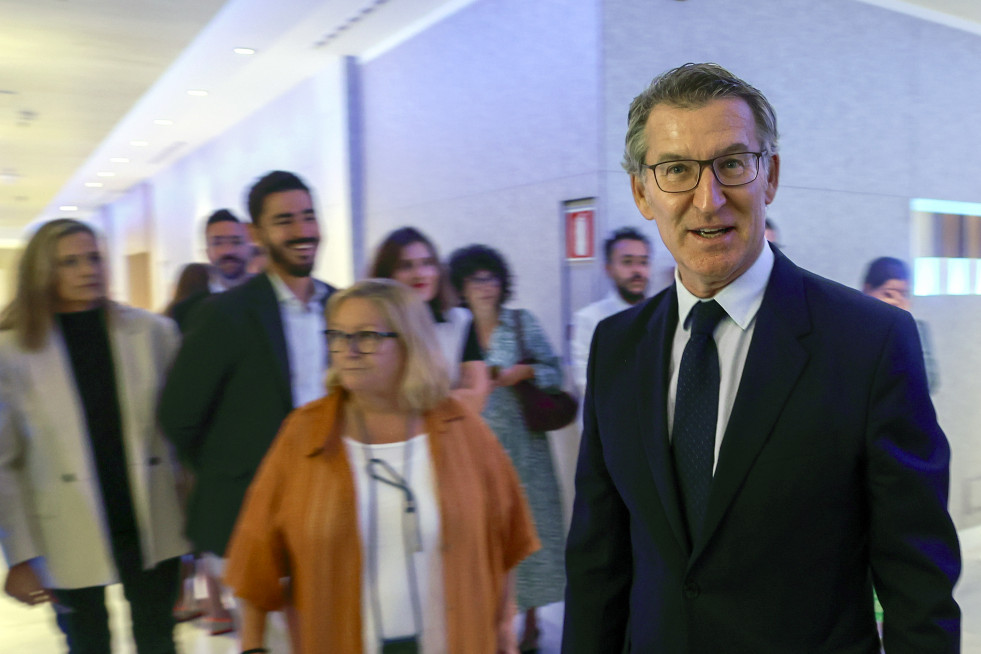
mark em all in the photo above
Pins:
pixel 477 129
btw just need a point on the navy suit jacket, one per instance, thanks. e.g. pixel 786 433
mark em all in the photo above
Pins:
pixel 224 400
pixel 832 473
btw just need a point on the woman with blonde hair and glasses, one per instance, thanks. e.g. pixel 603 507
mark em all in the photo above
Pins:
pixel 388 505
pixel 87 487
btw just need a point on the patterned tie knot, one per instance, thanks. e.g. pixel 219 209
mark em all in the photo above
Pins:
pixel 705 316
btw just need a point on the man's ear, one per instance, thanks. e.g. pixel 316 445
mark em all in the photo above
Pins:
pixel 640 197
pixel 772 178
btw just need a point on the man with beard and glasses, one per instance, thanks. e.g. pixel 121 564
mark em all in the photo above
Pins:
pixel 628 265
pixel 229 250
pixel 249 356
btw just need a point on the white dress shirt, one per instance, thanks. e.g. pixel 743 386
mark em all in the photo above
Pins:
pixel 741 299
pixel 303 326
pixel 583 325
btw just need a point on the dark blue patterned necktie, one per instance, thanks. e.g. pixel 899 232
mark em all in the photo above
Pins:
pixel 696 413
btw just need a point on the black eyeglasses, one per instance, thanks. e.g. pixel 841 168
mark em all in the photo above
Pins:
pixel 365 342
pixel 681 175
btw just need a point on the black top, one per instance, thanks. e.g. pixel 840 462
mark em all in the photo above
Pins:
pixel 87 339
pixel 472 351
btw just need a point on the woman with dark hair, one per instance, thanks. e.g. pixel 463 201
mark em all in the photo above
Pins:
pixel 391 509
pixel 508 337
pixel 87 489
pixel 192 283
pixel 888 279
pixel 408 256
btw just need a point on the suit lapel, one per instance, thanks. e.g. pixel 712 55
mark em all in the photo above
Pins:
pixel 774 362
pixel 265 309
pixel 653 365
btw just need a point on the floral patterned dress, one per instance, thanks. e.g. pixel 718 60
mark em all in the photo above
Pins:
pixel 540 577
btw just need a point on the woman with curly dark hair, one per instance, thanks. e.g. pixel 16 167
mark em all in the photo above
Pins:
pixel 507 337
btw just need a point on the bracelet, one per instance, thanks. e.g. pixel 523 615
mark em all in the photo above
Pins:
pixel 256 650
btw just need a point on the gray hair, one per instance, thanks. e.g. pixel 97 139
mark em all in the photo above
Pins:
pixel 690 87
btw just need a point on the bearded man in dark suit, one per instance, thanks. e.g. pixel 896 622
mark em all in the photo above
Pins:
pixel 249 356
pixel 759 445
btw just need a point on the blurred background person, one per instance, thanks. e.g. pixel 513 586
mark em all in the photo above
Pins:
pixel 408 256
pixel 192 283
pixel 229 250
pixel 250 356
pixel 888 279
pixel 507 337
pixel 87 487
pixel 388 505
pixel 628 265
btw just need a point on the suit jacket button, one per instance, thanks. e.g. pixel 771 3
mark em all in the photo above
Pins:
pixel 68 477
pixel 692 590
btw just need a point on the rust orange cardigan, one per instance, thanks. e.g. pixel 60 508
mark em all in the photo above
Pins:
pixel 300 521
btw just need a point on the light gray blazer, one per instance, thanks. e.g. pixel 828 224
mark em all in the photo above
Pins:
pixel 50 500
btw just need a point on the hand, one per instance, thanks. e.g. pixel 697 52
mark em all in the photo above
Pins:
pixel 24 586
pixel 516 373
pixel 507 639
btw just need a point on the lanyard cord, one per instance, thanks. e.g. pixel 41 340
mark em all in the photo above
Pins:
pixel 410 532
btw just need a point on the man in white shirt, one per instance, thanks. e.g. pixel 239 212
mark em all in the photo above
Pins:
pixel 628 265
pixel 250 356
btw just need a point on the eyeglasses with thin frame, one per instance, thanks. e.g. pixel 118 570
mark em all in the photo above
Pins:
pixel 681 175
pixel 484 280
pixel 365 342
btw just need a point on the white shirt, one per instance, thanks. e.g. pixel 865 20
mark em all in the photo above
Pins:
pixel 393 583
pixel 583 325
pixel 303 328
pixel 452 336
pixel 741 299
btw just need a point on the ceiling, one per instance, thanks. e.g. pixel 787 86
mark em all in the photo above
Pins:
pixel 94 93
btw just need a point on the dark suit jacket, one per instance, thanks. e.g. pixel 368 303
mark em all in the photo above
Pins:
pixel 181 312
pixel 224 400
pixel 832 473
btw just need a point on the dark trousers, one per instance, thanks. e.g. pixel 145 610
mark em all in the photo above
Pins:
pixel 82 614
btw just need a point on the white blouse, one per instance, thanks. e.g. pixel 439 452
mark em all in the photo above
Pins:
pixel 412 461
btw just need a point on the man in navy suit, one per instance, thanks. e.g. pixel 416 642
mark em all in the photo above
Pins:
pixel 758 521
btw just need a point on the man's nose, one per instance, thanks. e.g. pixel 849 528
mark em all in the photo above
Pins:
pixel 709 194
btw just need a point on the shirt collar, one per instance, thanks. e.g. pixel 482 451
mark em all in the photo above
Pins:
pixel 285 295
pixel 741 298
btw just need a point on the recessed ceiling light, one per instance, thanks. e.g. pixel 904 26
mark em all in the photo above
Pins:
pixel 68 207
pixel 139 144
pixel 118 159
pixel 93 184
pixel 105 173
pixel 197 92
pixel 163 121
pixel 244 51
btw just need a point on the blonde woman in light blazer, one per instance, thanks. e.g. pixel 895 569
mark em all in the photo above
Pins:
pixel 87 485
